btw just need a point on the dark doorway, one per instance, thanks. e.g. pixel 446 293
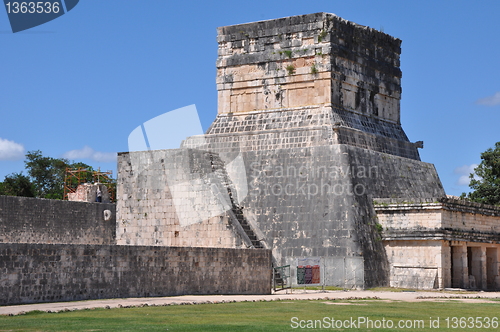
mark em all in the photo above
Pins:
pixel 457 268
pixel 491 267
pixel 474 265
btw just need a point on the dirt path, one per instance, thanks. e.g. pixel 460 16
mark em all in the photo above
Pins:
pixel 471 297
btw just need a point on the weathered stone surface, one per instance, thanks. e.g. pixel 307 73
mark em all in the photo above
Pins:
pixel 315 70
pixel 87 192
pixel 169 198
pixel 318 95
pixel 310 201
pixel 311 105
pixel 34 273
pixel 37 220
pixel 316 201
pixel 418 264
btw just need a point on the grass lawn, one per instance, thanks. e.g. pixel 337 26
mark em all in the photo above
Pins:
pixel 265 316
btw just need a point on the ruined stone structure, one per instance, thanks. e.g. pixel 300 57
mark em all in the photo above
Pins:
pixel 42 272
pixel 309 80
pixel 87 192
pixel 310 106
pixel 441 242
pixel 306 139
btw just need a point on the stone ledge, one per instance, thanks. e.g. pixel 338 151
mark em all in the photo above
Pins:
pixel 446 234
pixel 469 207
pixel 293 24
pixel 437 203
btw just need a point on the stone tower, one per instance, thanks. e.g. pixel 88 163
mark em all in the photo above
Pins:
pixel 309 105
pixel 314 71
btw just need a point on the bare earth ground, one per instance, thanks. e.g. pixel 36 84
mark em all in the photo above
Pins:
pixel 296 294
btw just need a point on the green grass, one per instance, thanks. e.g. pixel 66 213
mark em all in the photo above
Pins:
pixel 248 316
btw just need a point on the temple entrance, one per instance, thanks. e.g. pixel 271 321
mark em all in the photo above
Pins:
pixel 474 267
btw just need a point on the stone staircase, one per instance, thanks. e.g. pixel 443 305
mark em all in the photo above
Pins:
pixel 235 212
pixel 241 224
pixel 245 225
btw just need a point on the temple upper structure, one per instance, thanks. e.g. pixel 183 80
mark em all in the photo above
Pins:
pixel 317 71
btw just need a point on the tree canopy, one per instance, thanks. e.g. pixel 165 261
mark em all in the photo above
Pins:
pixel 17 184
pixel 47 174
pixel 485 181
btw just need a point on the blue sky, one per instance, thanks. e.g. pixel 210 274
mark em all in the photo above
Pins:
pixel 78 85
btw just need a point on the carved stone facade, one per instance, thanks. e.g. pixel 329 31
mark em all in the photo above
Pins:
pixel 336 78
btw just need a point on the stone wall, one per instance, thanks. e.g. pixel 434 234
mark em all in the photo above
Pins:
pixel 409 215
pixel 459 214
pixel 417 264
pixel 168 198
pixel 60 272
pixel 36 220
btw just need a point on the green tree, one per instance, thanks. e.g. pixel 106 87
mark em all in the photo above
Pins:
pixel 17 184
pixel 47 174
pixel 485 181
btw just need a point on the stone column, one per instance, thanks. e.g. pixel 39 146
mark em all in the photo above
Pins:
pixel 465 267
pixel 444 271
pixel 484 278
pixel 459 274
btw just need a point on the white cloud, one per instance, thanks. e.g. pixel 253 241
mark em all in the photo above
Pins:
pixel 88 153
pixel 464 172
pixel 10 150
pixel 490 100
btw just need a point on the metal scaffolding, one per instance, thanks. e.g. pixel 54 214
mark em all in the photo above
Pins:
pixel 77 176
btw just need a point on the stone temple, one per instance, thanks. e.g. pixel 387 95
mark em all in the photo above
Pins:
pixel 307 157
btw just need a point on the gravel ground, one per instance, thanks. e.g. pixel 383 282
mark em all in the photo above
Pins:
pixel 472 297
